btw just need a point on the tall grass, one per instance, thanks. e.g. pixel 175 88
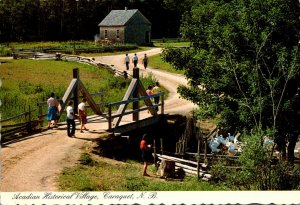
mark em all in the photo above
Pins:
pixel 27 82
pixel 5 51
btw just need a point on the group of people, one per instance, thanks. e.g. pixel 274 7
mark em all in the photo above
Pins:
pixel 52 116
pixel 54 110
pixel 154 90
pixel 135 60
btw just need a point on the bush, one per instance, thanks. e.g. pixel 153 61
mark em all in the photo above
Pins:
pixel 5 51
pixel 258 171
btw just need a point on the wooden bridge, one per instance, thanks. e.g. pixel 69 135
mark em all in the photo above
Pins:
pixel 120 118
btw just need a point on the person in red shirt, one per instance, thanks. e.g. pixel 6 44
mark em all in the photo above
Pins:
pixel 146 153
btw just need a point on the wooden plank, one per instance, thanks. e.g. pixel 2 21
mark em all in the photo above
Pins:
pixel 177 159
pixel 185 166
pixel 122 107
pixel 68 93
pixel 15 125
pixel 211 133
pixel 136 125
pixel 16 116
pixel 89 98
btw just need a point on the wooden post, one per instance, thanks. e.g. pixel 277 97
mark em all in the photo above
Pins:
pixel 41 114
pixel 75 94
pixel 205 151
pixel 135 105
pixel 162 104
pixel 161 146
pixel 198 159
pixel 167 168
pixel 29 119
pixel 102 102
pixel 109 118
pixel 154 150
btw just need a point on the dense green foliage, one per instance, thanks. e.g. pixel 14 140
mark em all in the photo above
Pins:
pixel 244 61
pixel 43 20
pixel 243 68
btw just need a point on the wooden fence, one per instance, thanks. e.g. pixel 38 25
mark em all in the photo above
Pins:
pixel 30 121
pixel 125 103
pixel 9 128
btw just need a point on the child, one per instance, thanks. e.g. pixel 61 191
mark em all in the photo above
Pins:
pixel 70 120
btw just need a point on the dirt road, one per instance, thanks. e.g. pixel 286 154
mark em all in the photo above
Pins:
pixel 33 164
pixel 174 104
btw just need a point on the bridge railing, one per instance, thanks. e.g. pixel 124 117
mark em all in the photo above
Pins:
pixel 111 116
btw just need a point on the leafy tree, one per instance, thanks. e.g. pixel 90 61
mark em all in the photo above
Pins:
pixel 244 61
pixel 243 67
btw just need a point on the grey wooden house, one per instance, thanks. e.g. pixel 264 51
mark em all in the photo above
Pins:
pixel 126 26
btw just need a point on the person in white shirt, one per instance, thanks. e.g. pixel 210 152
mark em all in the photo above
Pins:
pixel 70 120
pixel 82 113
pixel 127 60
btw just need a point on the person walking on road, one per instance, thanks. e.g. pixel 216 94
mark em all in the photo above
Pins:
pixel 70 120
pixel 127 61
pixel 145 61
pixel 135 60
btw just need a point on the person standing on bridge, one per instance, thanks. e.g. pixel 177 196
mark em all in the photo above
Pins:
pixel 82 113
pixel 70 120
pixel 52 110
pixel 135 60
pixel 127 60
pixel 146 153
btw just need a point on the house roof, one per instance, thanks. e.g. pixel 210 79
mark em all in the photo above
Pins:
pixel 120 17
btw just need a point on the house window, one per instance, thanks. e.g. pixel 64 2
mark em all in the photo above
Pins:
pixel 105 33
pixel 118 34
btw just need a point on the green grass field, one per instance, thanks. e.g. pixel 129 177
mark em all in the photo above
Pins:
pixel 156 62
pixel 27 82
pixel 92 175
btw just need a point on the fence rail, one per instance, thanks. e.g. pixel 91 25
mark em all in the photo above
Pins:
pixel 111 116
pixel 8 129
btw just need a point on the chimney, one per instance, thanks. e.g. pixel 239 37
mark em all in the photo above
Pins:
pixel 125 8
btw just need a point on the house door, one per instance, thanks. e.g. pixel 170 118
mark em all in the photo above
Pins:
pixel 147 37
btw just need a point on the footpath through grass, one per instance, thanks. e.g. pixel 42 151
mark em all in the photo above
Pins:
pixel 111 175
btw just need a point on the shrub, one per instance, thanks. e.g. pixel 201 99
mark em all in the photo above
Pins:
pixel 5 51
pixel 258 171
